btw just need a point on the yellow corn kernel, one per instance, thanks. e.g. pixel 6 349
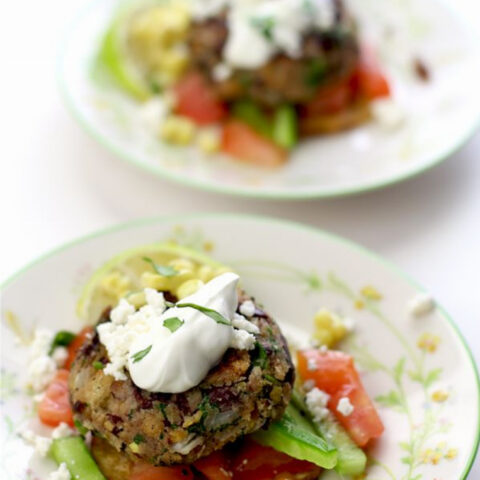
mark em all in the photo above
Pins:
pixel 134 447
pixel 177 130
pixel 440 396
pixel 205 273
pixel 188 288
pixel 137 299
pixel 173 63
pixel 208 141
pixel 153 280
pixel 329 328
pixel 116 284
pixel 451 453
pixel 371 293
pixel 180 264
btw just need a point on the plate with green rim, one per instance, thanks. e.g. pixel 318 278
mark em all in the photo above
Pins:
pixel 419 370
pixel 440 115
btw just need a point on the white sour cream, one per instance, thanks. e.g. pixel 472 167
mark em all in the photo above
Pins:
pixel 175 361
pixel 259 29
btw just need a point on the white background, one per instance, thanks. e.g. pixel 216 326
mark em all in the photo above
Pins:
pixel 56 183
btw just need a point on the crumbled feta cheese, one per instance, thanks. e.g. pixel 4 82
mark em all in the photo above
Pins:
pixel 349 323
pixel 323 349
pixel 247 308
pixel 345 407
pixel 63 430
pixel 119 315
pixel 421 304
pixel 221 72
pixel 317 401
pixel 61 473
pixel 311 365
pixel 308 385
pixel 388 113
pixel 41 444
pixel 41 343
pixel 155 299
pixel 40 373
pixel 243 324
pixel 242 340
pixel 153 112
pixel 39 397
pixel 60 355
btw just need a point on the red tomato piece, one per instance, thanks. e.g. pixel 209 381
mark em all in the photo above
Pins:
pixel 330 99
pixel 78 341
pixel 242 142
pixel 369 78
pixel 197 100
pixel 144 471
pixel 55 406
pixel 215 467
pixel 336 375
pixel 254 461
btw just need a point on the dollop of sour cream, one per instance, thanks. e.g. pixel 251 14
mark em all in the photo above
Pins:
pixel 259 29
pixel 169 360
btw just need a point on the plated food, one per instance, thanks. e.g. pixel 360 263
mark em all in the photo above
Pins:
pixel 391 350
pixel 190 377
pixel 262 73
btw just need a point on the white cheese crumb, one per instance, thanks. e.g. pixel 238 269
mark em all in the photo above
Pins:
pixel 61 473
pixel 60 355
pixel 242 340
pixel 119 315
pixel 41 444
pixel 243 324
pixel 387 113
pixel 349 323
pixel 40 373
pixel 311 365
pixel 155 299
pixel 317 401
pixel 323 349
pixel 221 72
pixel 308 385
pixel 63 430
pixel 421 304
pixel 247 308
pixel 41 343
pixel 345 407
pixel 153 112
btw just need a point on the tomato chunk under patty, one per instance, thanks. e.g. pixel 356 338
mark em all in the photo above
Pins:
pixel 336 375
pixel 55 405
pixel 78 341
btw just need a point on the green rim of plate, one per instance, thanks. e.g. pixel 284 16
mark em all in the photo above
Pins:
pixel 292 225
pixel 208 186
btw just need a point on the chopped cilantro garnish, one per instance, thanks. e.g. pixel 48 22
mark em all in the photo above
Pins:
pixel 261 359
pixel 264 25
pixel 138 438
pixel 62 339
pixel 164 270
pixel 213 314
pixel 141 354
pixel 173 323
pixel 98 365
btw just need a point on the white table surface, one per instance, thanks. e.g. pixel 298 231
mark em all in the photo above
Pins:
pixel 57 184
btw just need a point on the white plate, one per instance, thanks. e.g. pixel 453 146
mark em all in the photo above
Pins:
pixel 440 115
pixel 408 364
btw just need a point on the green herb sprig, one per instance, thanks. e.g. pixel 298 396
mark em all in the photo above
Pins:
pixel 63 338
pixel 141 354
pixel 173 323
pixel 164 270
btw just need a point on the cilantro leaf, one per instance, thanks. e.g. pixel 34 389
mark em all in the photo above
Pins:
pixel 164 270
pixel 213 314
pixel 173 323
pixel 141 354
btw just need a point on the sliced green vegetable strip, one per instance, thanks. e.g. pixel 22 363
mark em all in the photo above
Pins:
pixel 294 435
pixel 115 60
pixel 285 126
pixel 253 116
pixel 351 459
pixel 73 452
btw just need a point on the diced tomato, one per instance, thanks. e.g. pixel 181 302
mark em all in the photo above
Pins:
pixel 244 143
pixel 336 375
pixel 197 101
pixel 369 78
pixel 215 467
pixel 76 344
pixel 55 405
pixel 254 461
pixel 144 471
pixel 330 99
